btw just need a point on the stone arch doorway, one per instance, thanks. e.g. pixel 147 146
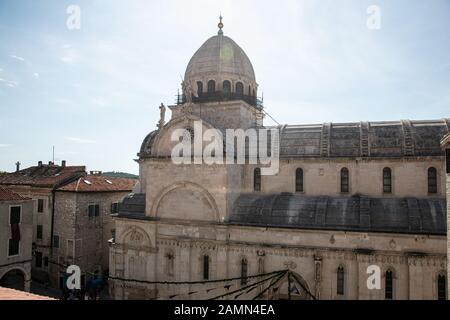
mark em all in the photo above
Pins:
pixel 293 282
pixel 14 279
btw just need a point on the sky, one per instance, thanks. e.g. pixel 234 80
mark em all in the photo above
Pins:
pixel 93 92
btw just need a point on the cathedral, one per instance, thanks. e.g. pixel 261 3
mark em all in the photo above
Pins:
pixel 350 201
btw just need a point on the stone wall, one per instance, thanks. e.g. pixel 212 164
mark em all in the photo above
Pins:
pixel 322 177
pixel 208 183
pixel 415 276
pixel 224 115
pixel 83 239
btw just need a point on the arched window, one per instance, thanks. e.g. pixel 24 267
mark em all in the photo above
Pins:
pixel 254 93
pixel 340 281
pixel 388 285
pixel 257 179
pixel 239 88
pixel 244 271
pixel 387 180
pixel 442 287
pixel 249 91
pixel 299 180
pixel 432 180
pixel 211 86
pixel 226 87
pixel 205 267
pixel 344 180
pixel 199 88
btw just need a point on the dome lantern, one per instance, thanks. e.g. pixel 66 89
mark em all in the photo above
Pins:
pixel 220 25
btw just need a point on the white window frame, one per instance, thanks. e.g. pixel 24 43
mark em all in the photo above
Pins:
pixel 94 204
pixel 9 217
pixel 9 221
pixel 37 205
pixel 115 203
pixel 42 234
pixel 59 241
pixel 70 253
pixel 18 251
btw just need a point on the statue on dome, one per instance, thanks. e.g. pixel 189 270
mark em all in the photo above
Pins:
pixel 188 91
pixel 162 115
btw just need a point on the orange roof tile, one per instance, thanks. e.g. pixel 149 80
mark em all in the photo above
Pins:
pixel 99 183
pixel 43 175
pixel 13 294
pixel 8 195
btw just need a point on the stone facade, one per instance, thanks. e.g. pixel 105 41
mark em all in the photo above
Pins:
pixel 83 240
pixel 15 270
pixel 415 275
pixel 39 183
pixel 83 237
pixel 445 143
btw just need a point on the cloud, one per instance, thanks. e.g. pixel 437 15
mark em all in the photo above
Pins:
pixel 66 59
pixel 80 140
pixel 69 54
pixel 8 83
pixel 99 101
pixel 36 75
pixel 17 58
pixel 4 145
pixel 65 101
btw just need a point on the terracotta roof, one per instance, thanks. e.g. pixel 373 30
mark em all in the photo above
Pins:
pixel 43 175
pixel 99 183
pixel 12 294
pixel 8 195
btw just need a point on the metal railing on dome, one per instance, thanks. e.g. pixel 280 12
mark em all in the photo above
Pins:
pixel 221 96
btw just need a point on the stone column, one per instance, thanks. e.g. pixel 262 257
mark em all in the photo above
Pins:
pixel 317 274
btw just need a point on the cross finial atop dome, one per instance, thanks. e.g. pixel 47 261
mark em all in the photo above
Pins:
pixel 220 25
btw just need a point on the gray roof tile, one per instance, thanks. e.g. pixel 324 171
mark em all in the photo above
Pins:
pixel 353 213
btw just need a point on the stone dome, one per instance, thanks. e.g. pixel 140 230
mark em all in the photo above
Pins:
pixel 222 61
pixel 220 54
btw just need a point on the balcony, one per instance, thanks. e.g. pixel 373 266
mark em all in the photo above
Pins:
pixel 222 96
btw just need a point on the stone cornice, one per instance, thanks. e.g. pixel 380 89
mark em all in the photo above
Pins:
pixel 445 142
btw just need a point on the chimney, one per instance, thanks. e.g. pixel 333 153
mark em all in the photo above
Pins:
pixel 63 163
pixel 17 166
pixel 40 163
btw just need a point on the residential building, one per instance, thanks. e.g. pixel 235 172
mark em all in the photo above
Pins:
pixel 83 223
pixel 40 183
pixel 16 223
